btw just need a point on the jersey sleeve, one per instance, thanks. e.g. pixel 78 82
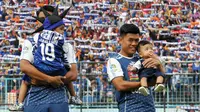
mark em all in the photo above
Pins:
pixel 27 51
pixel 138 64
pixel 35 38
pixel 114 69
pixel 69 53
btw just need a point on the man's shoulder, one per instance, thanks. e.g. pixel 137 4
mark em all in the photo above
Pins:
pixel 111 59
pixel 67 47
pixel 67 44
pixel 114 55
pixel 33 39
pixel 118 56
pixel 28 42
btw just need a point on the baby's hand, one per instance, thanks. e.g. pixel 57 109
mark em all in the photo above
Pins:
pixel 130 68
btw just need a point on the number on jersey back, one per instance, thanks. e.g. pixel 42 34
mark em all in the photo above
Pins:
pixel 48 57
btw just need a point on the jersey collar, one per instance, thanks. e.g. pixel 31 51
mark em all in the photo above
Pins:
pixel 134 55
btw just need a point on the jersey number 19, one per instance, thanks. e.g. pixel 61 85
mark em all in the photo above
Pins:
pixel 47 51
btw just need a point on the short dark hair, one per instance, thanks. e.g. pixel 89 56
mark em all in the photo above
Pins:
pixel 129 28
pixel 47 8
pixel 142 43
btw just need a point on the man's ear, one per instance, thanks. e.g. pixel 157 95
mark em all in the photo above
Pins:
pixel 120 40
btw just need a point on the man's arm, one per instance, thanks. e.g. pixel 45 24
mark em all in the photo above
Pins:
pixel 122 85
pixel 69 57
pixel 72 74
pixel 116 76
pixel 32 72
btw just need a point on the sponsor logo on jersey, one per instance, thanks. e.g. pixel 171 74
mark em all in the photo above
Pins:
pixel 25 48
pixel 133 76
pixel 114 68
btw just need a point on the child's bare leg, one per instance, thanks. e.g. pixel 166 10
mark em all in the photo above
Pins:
pixel 143 81
pixel 74 99
pixel 143 89
pixel 22 94
pixel 159 80
pixel 159 84
pixel 70 87
pixel 22 91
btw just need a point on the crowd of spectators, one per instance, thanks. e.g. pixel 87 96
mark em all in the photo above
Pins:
pixel 93 28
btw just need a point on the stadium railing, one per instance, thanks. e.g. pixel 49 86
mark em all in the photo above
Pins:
pixel 94 88
pixel 181 87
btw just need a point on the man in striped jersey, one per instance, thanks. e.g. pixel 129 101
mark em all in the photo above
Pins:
pixel 127 83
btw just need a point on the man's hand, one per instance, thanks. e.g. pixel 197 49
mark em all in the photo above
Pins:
pixel 51 81
pixel 55 81
pixel 64 80
pixel 153 61
pixel 38 82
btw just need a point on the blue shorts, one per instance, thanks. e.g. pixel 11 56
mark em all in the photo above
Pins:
pixel 63 107
pixel 150 72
